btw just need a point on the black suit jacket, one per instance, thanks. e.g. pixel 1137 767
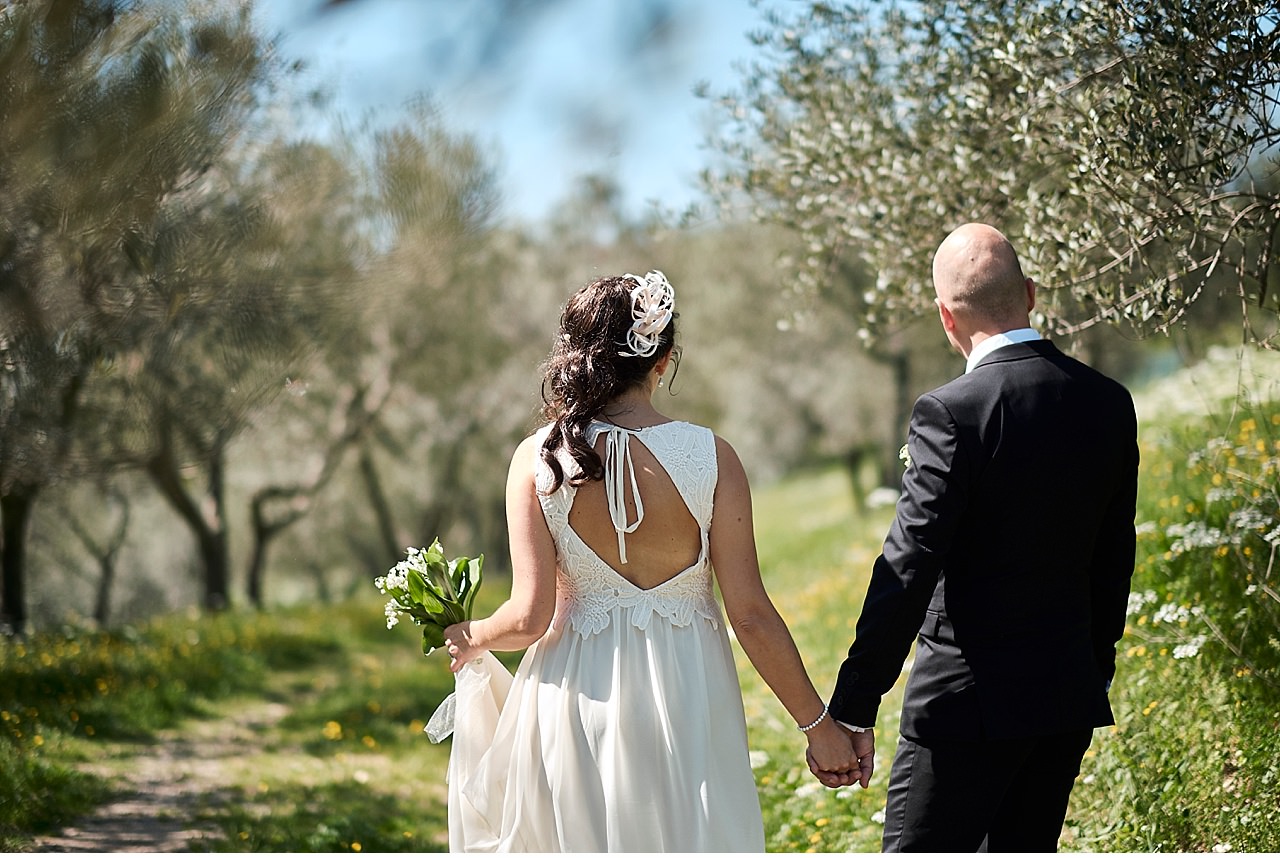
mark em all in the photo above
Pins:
pixel 1010 556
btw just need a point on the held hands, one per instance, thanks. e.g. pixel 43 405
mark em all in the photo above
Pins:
pixel 838 757
pixel 458 643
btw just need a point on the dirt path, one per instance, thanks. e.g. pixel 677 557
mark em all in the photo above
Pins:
pixel 164 785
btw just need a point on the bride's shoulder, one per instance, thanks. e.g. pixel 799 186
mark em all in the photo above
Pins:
pixel 526 452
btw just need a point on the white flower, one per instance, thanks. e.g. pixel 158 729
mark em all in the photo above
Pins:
pixel 398 577
pixel 809 788
pixel 1195 534
pixel 1219 493
pixel 882 496
pixel 1138 601
pixel 1249 518
pixel 905 455
pixel 878 817
pixel 393 614
pixel 1172 612
pixel 1190 649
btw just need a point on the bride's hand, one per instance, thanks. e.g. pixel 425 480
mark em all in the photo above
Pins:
pixel 833 758
pixel 458 643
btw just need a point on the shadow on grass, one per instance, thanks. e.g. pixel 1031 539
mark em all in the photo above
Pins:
pixel 336 817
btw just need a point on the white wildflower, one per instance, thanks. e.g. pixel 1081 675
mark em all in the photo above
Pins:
pixel 1190 649
pixel 1222 847
pixel 1249 518
pixel 1194 534
pixel 878 817
pixel 1273 538
pixel 1171 612
pixel 1216 445
pixel 809 788
pixel 1138 601
pixel 882 497
pixel 1218 494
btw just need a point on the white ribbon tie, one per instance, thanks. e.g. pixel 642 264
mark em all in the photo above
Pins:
pixel 617 463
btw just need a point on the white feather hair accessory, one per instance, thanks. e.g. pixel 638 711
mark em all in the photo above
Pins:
pixel 653 302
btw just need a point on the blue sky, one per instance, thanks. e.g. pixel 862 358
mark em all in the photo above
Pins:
pixel 552 88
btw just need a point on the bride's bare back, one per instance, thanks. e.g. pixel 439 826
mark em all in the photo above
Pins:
pixel 668 540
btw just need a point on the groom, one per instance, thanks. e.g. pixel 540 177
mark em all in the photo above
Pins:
pixel 1008 564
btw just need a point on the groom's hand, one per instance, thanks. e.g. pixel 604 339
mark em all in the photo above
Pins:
pixel 864 745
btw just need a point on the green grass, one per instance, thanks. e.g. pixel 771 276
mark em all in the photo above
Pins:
pixel 815 557
pixel 36 794
pixel 1189 767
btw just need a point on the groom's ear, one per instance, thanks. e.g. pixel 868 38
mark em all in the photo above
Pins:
pixel 944 313
pixel 1031 294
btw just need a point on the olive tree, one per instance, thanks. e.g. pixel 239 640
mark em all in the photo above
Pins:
pixel 1127 148
pixel 112 115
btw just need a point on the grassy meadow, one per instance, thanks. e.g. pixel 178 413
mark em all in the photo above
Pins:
pixel 330 705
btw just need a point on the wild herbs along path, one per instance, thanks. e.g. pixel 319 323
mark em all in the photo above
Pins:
pixel 300 730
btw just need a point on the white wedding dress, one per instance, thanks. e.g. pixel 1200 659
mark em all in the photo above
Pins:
pixel 622 729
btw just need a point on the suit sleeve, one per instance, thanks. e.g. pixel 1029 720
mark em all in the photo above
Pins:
pixel 934 495
pixel 1111 569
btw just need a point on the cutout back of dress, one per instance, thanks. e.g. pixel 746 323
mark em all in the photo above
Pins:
pixel 635 519
pixel 667 549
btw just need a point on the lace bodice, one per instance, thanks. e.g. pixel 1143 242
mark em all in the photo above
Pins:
pixel 588 590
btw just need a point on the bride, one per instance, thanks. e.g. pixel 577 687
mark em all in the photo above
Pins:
pixel 623 727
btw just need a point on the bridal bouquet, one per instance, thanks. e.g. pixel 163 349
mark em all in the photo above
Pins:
pixel 433 591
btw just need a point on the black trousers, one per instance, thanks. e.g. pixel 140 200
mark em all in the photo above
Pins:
pixel 1007 795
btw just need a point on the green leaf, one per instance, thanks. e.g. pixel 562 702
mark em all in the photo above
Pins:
pixel 432 637
pixel 458 575
pixel 437 565
pixel 476 574
pixel 422 591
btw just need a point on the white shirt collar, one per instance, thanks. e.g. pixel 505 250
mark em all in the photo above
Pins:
pixel 990 344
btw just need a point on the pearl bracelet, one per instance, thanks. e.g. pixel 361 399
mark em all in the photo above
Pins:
pixel 818 721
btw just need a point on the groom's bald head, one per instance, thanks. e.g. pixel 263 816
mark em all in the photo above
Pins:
pixel 978 278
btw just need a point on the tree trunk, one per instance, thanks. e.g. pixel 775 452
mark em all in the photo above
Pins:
pixel 15 518
pixel 211 535
pixel 358 409
pixel 378 502
pixel 264 531
pixel 102 601
pixel 890 464
pixel 853 459
pixel 262 534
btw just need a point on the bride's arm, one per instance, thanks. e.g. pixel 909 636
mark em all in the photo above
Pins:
pixel 524 617
pixel 759 628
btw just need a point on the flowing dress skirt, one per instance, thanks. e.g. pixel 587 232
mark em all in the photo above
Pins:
pixel 629 739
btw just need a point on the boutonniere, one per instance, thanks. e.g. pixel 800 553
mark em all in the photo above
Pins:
pixel 905 455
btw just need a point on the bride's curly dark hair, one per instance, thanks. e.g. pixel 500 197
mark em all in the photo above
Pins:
pixel 585 371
